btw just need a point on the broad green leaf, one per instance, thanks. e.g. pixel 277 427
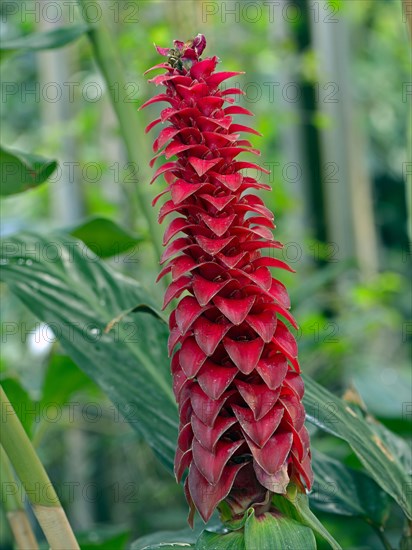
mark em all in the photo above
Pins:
pixel 338 418
pixel 169 546
pixel 22 171
pixel 301 502
pixel 70 289
pixel 295 505
pixel 106 239
pixel 400 447
pixel 118 542
pixel 55 38
pixel 347 492
pixel 234 540
pixel 268 532
pixel 78 289
pixel 184 538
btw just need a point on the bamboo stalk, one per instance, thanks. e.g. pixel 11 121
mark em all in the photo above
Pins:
pixel 22 531
pixel 34 478
pixel 12 501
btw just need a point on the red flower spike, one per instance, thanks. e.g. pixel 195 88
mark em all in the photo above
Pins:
pixel 208 335
pixel 272 455
pixel 212 464
pixel 258 397
pixel 235 371
pixel 210 436
pixel 259 431
pixel 273 370
pixel 244 354
pixel 214 380
pixel 191 357
pixel 235 310
pixel 276 483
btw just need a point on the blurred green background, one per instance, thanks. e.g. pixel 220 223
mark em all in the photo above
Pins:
pixel 328 83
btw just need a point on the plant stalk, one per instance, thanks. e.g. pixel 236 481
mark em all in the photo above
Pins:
pixel 110 64
pixel 34 478
pixel 12 501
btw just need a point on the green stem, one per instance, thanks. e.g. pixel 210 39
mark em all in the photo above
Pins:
pixel 12 500
pixel 34 478
pixel 11 497
pixel 22 455
pixel 110 64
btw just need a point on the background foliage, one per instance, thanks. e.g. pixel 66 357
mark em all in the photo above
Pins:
pixel 331 99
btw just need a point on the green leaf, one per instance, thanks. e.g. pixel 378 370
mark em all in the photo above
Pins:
pixel 406 542
pixel 338 418
pixel 295 505
pixel 61 368
pixel 104 537
pixel 106 239
pixel 44 40
pixel 100 541
pixel 347 492
pixel 169 546
pixel 22 403
pixel 301 502
pixel 318 280
pixel 22 171
pixel 70 289
pixel 184 536
pixel 56 395
pixel 400 447
pixel 208 540
pixel 79 297
pixel 32 413
pixel 268 532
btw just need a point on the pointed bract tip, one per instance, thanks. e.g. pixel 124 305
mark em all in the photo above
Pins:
pixel 199 43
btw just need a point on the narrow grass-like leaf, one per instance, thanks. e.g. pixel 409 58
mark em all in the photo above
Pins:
pixel 47 40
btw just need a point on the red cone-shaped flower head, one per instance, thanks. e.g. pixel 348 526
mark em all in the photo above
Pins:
pixel 234 360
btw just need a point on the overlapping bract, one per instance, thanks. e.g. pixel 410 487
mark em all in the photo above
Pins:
pixel 235 369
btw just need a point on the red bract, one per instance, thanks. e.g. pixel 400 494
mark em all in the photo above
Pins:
pixel 235 369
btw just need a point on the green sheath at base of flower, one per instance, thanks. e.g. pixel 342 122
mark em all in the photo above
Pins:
pixel 235 371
